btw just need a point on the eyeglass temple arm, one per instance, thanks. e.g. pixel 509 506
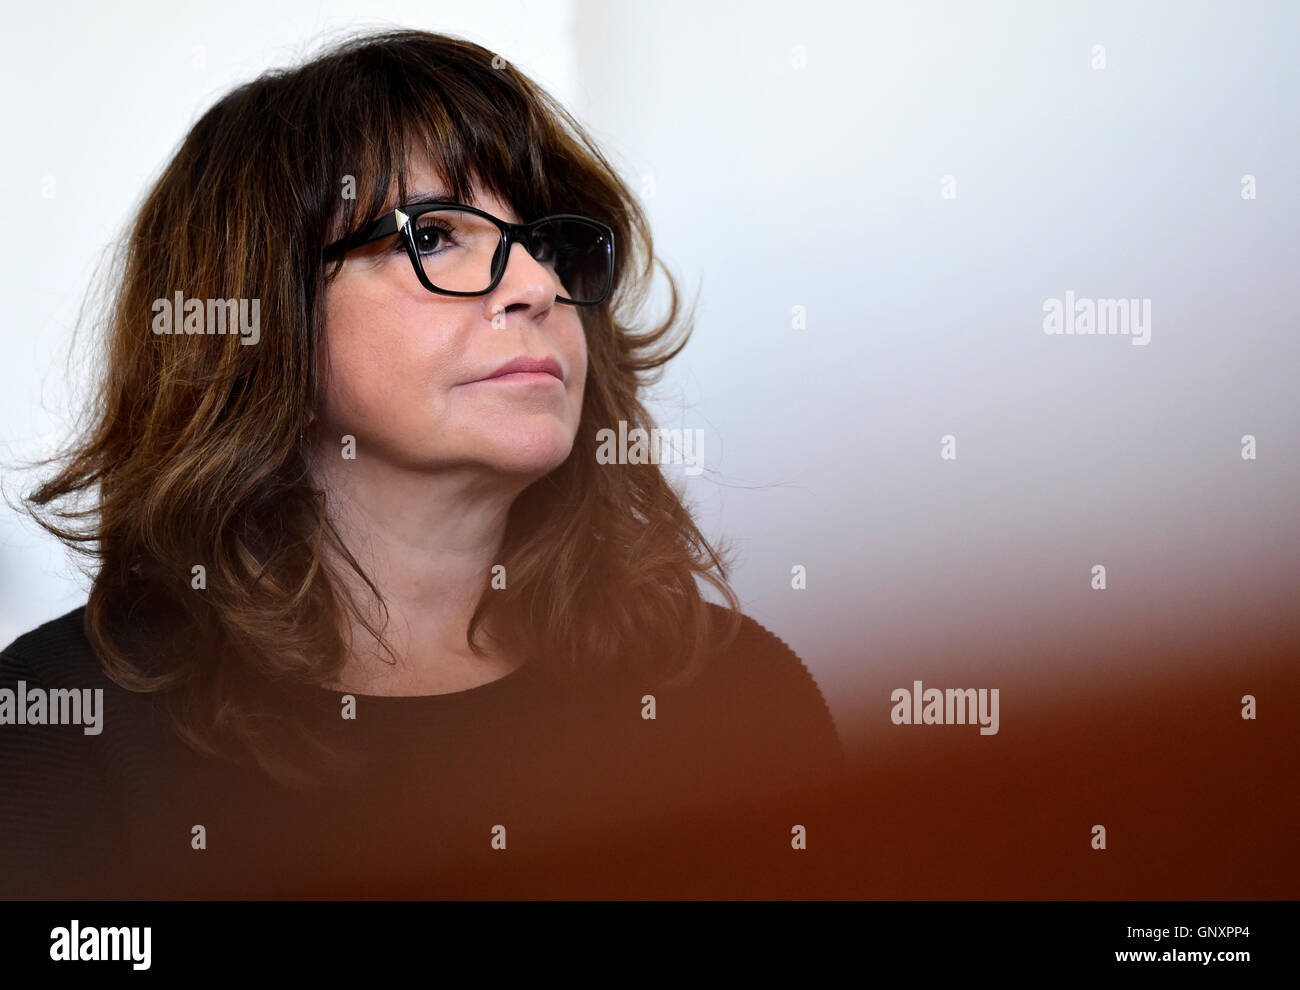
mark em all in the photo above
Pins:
pixel 385 226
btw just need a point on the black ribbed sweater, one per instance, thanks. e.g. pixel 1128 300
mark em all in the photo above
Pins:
pixel 514 789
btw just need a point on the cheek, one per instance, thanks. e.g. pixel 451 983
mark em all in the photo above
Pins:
pixel 577 362
pixel 351 363
pixel 376 364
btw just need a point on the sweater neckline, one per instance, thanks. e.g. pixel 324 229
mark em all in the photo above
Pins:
pixel 519 676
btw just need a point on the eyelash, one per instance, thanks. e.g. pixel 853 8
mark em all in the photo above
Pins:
pixel 400 246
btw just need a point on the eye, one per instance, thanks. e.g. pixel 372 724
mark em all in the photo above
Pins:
pixel 543 249
pixel 431 235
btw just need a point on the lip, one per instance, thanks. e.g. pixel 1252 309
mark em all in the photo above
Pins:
pixel 526 366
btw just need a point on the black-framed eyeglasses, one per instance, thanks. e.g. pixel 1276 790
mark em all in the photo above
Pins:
pixel 458 250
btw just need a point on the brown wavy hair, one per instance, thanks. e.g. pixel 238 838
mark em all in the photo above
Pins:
pixel 198 445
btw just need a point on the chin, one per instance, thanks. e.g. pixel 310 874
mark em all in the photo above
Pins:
pixel 527 451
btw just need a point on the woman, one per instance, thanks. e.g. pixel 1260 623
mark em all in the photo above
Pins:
pixel 370 617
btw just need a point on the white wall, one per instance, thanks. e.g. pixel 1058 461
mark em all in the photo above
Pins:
pixel 820 186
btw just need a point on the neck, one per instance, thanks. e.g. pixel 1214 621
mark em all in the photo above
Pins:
pixel 428 541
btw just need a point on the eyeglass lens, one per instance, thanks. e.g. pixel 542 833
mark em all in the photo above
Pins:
pixel 462 252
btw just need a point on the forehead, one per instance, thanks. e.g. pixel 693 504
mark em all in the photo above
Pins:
pixel 425 182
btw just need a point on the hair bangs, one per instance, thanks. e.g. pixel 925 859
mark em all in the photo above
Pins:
pixel 470 124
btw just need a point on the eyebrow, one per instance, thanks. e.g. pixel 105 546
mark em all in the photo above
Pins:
pixel 433 196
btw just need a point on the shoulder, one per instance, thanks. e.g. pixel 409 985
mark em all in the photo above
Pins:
pixel 55 653
pixel 57 815
pixel 753 644
pixel 755 654
pixel 750 757
pixel 755 687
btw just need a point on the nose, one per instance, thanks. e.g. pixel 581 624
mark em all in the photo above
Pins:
pixel 526 286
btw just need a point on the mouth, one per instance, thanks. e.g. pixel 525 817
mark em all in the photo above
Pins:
pixel 526 370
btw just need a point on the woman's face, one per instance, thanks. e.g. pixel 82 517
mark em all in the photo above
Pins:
pixel 408 369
